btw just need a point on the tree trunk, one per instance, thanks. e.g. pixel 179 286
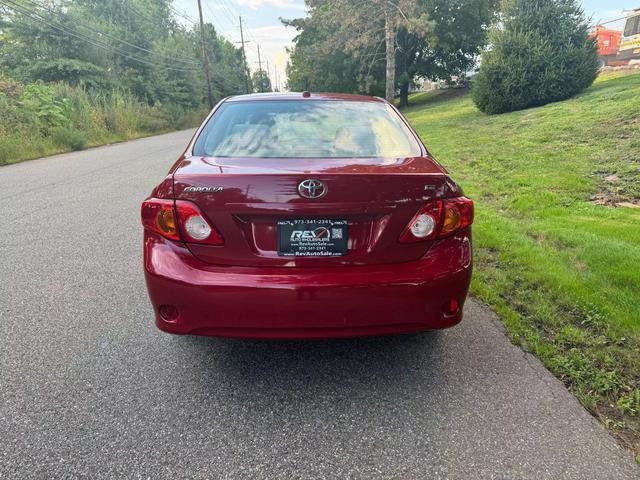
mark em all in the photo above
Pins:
pixel 404 95
pixel 390 88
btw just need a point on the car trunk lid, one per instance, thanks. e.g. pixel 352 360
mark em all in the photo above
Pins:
pixel 246 199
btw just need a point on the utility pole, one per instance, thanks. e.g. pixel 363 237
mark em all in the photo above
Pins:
pixel 275 71
pixel 244 56
pixel 260 65
pixel 205 57
pixel 269 74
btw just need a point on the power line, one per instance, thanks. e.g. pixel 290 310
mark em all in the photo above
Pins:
pixel 182 14
pixel 213 19
pixel 231 13
pixel 135 11
pixel 102 33
pixel 609 20
pixel 214 15
pixel 185 16
pixel 37 16
pixel 228 13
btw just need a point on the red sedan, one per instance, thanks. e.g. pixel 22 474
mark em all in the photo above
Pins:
pixel 306 216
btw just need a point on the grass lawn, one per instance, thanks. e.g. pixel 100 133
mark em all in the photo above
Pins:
pixel 555 256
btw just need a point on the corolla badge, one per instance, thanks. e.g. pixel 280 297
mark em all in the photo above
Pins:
pixel 203 189
pixel 312 188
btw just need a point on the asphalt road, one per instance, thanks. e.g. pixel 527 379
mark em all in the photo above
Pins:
pixel 89 387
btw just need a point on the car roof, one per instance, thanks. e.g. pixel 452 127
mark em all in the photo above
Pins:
pixel 345 97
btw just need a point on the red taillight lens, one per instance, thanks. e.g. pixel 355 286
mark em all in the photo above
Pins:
pixel 159 216
pixel 184 222
pixel 194 226
pixel 439 219
pixel 424 225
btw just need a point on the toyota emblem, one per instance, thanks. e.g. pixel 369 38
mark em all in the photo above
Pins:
pixel 312 189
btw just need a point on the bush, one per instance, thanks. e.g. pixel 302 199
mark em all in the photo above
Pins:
pixel 182 118
pixel 39 119
pixel 152 119
pixel 540 54
pixel 64 137
pixel 79 111
pixel 41 102
pixel 122 113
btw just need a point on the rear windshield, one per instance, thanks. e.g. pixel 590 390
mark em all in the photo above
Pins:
pixel 306 129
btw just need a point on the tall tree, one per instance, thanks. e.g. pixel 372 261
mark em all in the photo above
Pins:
pixel 261 81
pixel 361 25
pixel 315 66
pixel 423 38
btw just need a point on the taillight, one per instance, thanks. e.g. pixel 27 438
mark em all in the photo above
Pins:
pixel 439 219
pixel 184 220
pixel 424 225
pixel 159 216
pixel 194 226
pixel 458 214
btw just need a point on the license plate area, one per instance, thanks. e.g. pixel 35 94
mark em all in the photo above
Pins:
pixel 312 238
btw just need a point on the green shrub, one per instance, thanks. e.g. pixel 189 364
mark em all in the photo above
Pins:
pixel 64 137
pixel 152 119
pixel 181 118
pixel 47 110
pixel 122 113
pixel 79 107
pixel 41 119
pixel 540 53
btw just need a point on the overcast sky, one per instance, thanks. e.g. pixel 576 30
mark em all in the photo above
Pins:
pixel 263 27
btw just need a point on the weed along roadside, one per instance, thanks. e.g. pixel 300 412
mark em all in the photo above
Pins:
pixel 39 119
pixel 560 269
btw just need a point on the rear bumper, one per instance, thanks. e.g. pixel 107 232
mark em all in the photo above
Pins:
pixel 282 302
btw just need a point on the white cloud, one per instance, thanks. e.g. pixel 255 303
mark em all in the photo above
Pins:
pixel 276 32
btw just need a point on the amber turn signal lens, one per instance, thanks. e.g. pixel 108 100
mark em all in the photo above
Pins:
pixel 166 222
pixel 452 219
pixel 158 216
